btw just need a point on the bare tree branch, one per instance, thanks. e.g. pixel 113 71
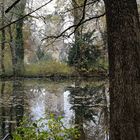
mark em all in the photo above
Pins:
pixel 25 15
pixel 13 5
pixel 68 10
pixel 29 14
pixel 75 25
pixel 83 16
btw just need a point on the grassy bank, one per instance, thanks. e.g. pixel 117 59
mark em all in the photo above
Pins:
pixel 53 69
pixel 48 68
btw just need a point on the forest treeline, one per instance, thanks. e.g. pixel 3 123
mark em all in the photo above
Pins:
pixel 21 55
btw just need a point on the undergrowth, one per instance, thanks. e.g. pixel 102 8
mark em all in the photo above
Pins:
pixel 51 128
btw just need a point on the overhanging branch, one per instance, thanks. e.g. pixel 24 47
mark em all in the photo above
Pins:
pixel 13 5
pixel 73 26
pixel 25 16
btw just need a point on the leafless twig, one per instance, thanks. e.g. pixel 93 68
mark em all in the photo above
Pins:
pixel 25 15
pixel 75 25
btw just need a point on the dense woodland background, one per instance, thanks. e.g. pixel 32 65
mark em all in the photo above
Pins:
pixel 51 38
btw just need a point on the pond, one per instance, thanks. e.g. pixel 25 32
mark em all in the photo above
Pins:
pixel 81 102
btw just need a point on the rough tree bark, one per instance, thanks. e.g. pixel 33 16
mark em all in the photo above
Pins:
pixel 19 49
pixel 124 68
pixel 19 42
pixel 12 48
pixel 2 38
pixel 77 14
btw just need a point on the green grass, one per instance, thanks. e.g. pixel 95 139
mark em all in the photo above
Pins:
pixel 48 67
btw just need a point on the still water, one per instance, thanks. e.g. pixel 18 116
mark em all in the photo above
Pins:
pixel 84 103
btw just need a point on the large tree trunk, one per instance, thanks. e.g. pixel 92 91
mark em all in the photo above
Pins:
pixel 19 46
pixel 2 39
pixel 19 49
pixel 77 14
pixel 12 48
pixel 124 68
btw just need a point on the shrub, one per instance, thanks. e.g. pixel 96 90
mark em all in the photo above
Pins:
pixel 48 67
pixel 51 128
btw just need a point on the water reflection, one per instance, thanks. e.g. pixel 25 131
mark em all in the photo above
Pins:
pixel 91 110
pixel 12 106
pixel 82 103
pixel 45 99
pixel 2 110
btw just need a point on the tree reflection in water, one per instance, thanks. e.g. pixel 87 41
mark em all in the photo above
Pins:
pixel 90 104
pixel 2 129
pixel 12 107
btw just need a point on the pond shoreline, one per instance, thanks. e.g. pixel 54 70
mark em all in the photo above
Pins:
pixel 54 76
